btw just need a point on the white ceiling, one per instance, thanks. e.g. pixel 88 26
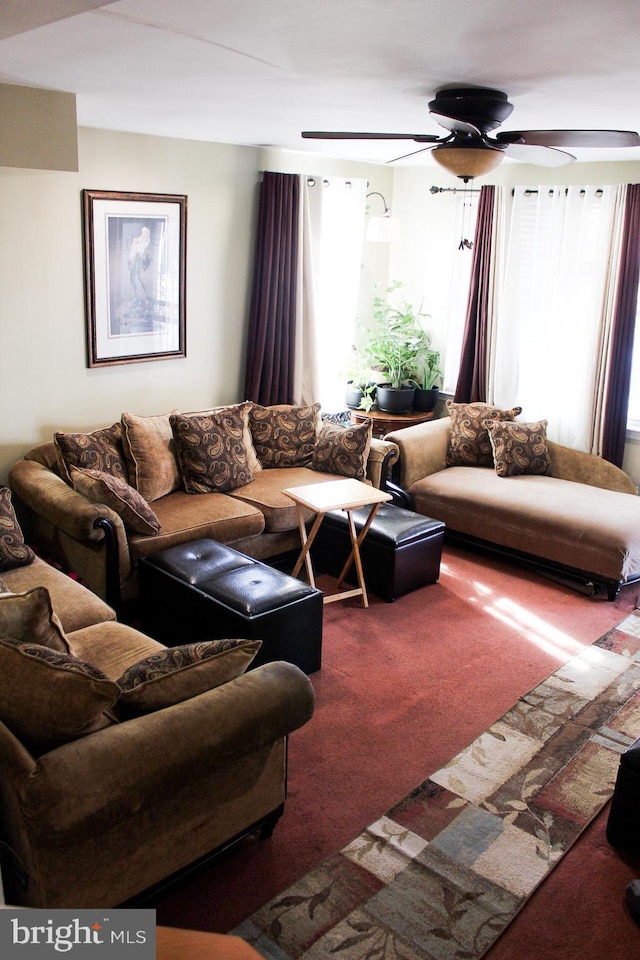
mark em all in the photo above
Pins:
pixel 260 71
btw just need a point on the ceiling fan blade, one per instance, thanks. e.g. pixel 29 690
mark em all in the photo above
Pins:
pixel 541 156
pixel 456 125
pixel 352 135
pixel 572 138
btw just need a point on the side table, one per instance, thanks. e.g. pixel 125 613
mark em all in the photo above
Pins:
pixel 320 498
pixel 384 423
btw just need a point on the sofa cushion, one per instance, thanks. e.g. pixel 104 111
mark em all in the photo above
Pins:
pixel 50 697
pixel 520 448
pixel 14 552
pixel 212 450
pixel 284 435
pixel 4 588
pixel 343 449
pixel 99 450
pixel 112 647
pixel 116 493
pixel 179 673
pixel 151 454
pixel 571 523
pixel 265 494
pixel 469 444
pixel 75 605
pixel 183 517
pixel 247 440
pixel 29 618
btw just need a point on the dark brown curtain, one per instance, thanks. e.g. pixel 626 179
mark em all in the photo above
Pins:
pixel 472 377
pixel 269 374
pixel 617 398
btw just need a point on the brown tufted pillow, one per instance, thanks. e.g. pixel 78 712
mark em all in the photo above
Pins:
pixel 211 449
pixel 469 444
pixel 343 450
pixel 14 552
pixel 150 451
pixel 284 436
pixel 179 673
pixel 520 448
pixel 29 618
pixel 100 450
pixel 136 513
pixel 49 697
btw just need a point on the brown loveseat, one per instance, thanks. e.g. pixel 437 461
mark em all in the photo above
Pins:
pixel 579 521
pixel 92 815
pixel 287 446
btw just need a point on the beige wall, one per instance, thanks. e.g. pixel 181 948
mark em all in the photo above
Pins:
pixel 44 381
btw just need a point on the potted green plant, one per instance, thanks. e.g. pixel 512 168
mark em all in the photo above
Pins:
pixel 360 386
pixel 394 343
pixel 428 378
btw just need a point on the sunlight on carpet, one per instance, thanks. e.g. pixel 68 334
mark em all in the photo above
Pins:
pixel 516 616
pixel 446 870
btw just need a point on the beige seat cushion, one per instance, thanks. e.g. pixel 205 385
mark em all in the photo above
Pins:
pixel 584 527
pixel 191 516
pixel 265 493
pixel 112 647
pixel 75 605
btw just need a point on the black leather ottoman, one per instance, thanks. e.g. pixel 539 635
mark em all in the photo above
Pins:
pixel 204 590
pixel 401 551
pixel 623 825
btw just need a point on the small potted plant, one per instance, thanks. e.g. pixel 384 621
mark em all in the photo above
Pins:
pixel 428 378
pixel 360 386
pixel 395 342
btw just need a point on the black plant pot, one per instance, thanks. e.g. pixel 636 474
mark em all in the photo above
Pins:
pixel 425 400
pixel 395 399
pixel 353 396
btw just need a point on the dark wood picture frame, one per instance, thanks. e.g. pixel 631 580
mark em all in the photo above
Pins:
pixel 135 276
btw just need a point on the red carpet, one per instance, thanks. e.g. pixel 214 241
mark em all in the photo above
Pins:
pixel 403 688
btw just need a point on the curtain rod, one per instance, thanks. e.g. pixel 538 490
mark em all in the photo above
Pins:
pixel 528 192
pixel 454 190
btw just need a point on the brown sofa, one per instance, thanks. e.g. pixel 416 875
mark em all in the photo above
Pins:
pixel 96 819
pixel 90 538
pixel 580 524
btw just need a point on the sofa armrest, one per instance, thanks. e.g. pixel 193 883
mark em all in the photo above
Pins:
pixel 567 464
pixel 81 535
pixel 48 496
pixel 131 764
pixel 382 456
pixel 423 449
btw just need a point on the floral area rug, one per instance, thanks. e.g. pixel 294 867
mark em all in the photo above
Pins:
pixel 447 869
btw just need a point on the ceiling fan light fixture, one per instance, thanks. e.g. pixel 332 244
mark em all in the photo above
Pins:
pixel 467 162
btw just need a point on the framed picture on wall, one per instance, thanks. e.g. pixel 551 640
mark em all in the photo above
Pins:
pixel 135 270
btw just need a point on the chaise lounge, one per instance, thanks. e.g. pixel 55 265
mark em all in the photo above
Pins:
pixel 560 512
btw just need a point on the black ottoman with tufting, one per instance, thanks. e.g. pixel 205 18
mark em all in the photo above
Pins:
pixel 204 590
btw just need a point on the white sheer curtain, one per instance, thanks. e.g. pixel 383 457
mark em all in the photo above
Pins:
pixel 332 218
pixel 550 314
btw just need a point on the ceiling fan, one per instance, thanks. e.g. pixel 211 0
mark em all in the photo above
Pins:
pixel 470 114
